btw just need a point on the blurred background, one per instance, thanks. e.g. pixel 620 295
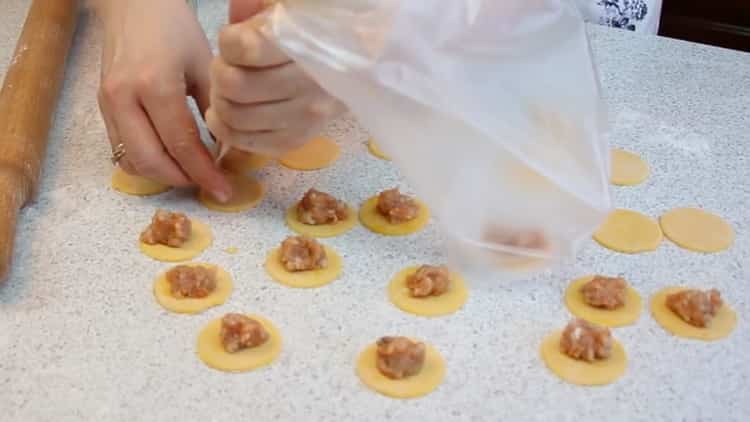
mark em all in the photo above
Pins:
pixel 723 23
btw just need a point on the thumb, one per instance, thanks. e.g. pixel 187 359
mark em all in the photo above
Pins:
pixel 242 10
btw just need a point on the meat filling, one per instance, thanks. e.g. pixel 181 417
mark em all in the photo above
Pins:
pixel 399 357
pixel 605 292
pixel 299 253
pixel 695 307
pixel 395 207
pixel 172 229
pixel 240 332
pixel 321 208
pixel 585 341
pixel 429 280
pixel 191 281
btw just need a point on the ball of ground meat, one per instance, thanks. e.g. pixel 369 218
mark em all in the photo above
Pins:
pixel 583 340
pixel 605 292
pixel 695 307
pixel 429 280
pixel 240 332
pixel 396 207
pixel 321 208
pixel 300 253
pixel 399 357
pixel 172 229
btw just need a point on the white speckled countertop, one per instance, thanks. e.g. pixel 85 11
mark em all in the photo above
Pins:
pixel 81 337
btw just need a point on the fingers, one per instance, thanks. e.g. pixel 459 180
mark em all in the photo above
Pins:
pixel 243 85
pixel 178 131
pixel 241 44
pixel 258 117
pixel 240 10
pixel 199 77
pixel 268 143
pixel 128 124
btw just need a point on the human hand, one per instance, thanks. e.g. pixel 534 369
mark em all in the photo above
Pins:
pixel 260 100
pixel 154 55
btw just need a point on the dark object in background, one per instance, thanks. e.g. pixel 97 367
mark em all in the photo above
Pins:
pixel 723 23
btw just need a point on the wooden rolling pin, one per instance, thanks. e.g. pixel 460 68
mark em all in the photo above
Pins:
pixel 27 104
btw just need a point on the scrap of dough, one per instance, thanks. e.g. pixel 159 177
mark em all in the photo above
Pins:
pixel 304 279
pixel 376 151
pixel 136 185
pixel 189 305
pixel 200 239
pixel 247 193
pixel 237 161
pixel 628 169
pixel 721 325
pixel 320 230
pixel 423 383
pixel 447 303
pixel 629 232
pixel 697 230
pixel 212 353
pixel 231 250
pixel 625 315
pixel 373 220
pixel 599 372
pixel 319 153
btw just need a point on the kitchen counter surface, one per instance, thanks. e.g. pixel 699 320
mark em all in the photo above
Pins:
pixel 81 337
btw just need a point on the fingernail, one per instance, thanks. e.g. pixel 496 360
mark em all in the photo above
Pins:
pixel 222 195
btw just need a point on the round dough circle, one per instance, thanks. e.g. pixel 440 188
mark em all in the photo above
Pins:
pixel 163 293
pixel 319 153
pixel 136 185
pixel 237 161
pixel 200 239
pixel 376 151
pixel 212 353
pixel 625 315
pixel 322 230
pixel 373 220
pixel 423 383
pixel 304 279
pixel 628 169
pixel 697 230
pixel 247 193
pixel 629 231
pixel 721 325
pixel 447 303
pixel 599 372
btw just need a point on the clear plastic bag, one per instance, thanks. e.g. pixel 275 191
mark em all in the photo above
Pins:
pixel 491 109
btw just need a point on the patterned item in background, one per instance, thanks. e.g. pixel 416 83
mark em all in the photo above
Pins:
pixel 633 15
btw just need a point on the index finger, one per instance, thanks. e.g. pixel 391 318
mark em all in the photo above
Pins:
pixel 242 44
pixel 178 130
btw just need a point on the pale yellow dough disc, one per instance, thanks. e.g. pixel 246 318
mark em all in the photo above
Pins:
pixel 237 161
pixel 375 150
pixel 697 230
pixel 304 279
pixel 629 232
pixel 212 353
pixel 321 230
pixel 628 169
pixel 373 220
pixel 199 241
pixel 625 315
pixel 163 293
pixel 247 193
pixel 423 383
pixel 447 303
pixel 599 372
pixel 721 325
pixel 135 185
pixel 319 153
